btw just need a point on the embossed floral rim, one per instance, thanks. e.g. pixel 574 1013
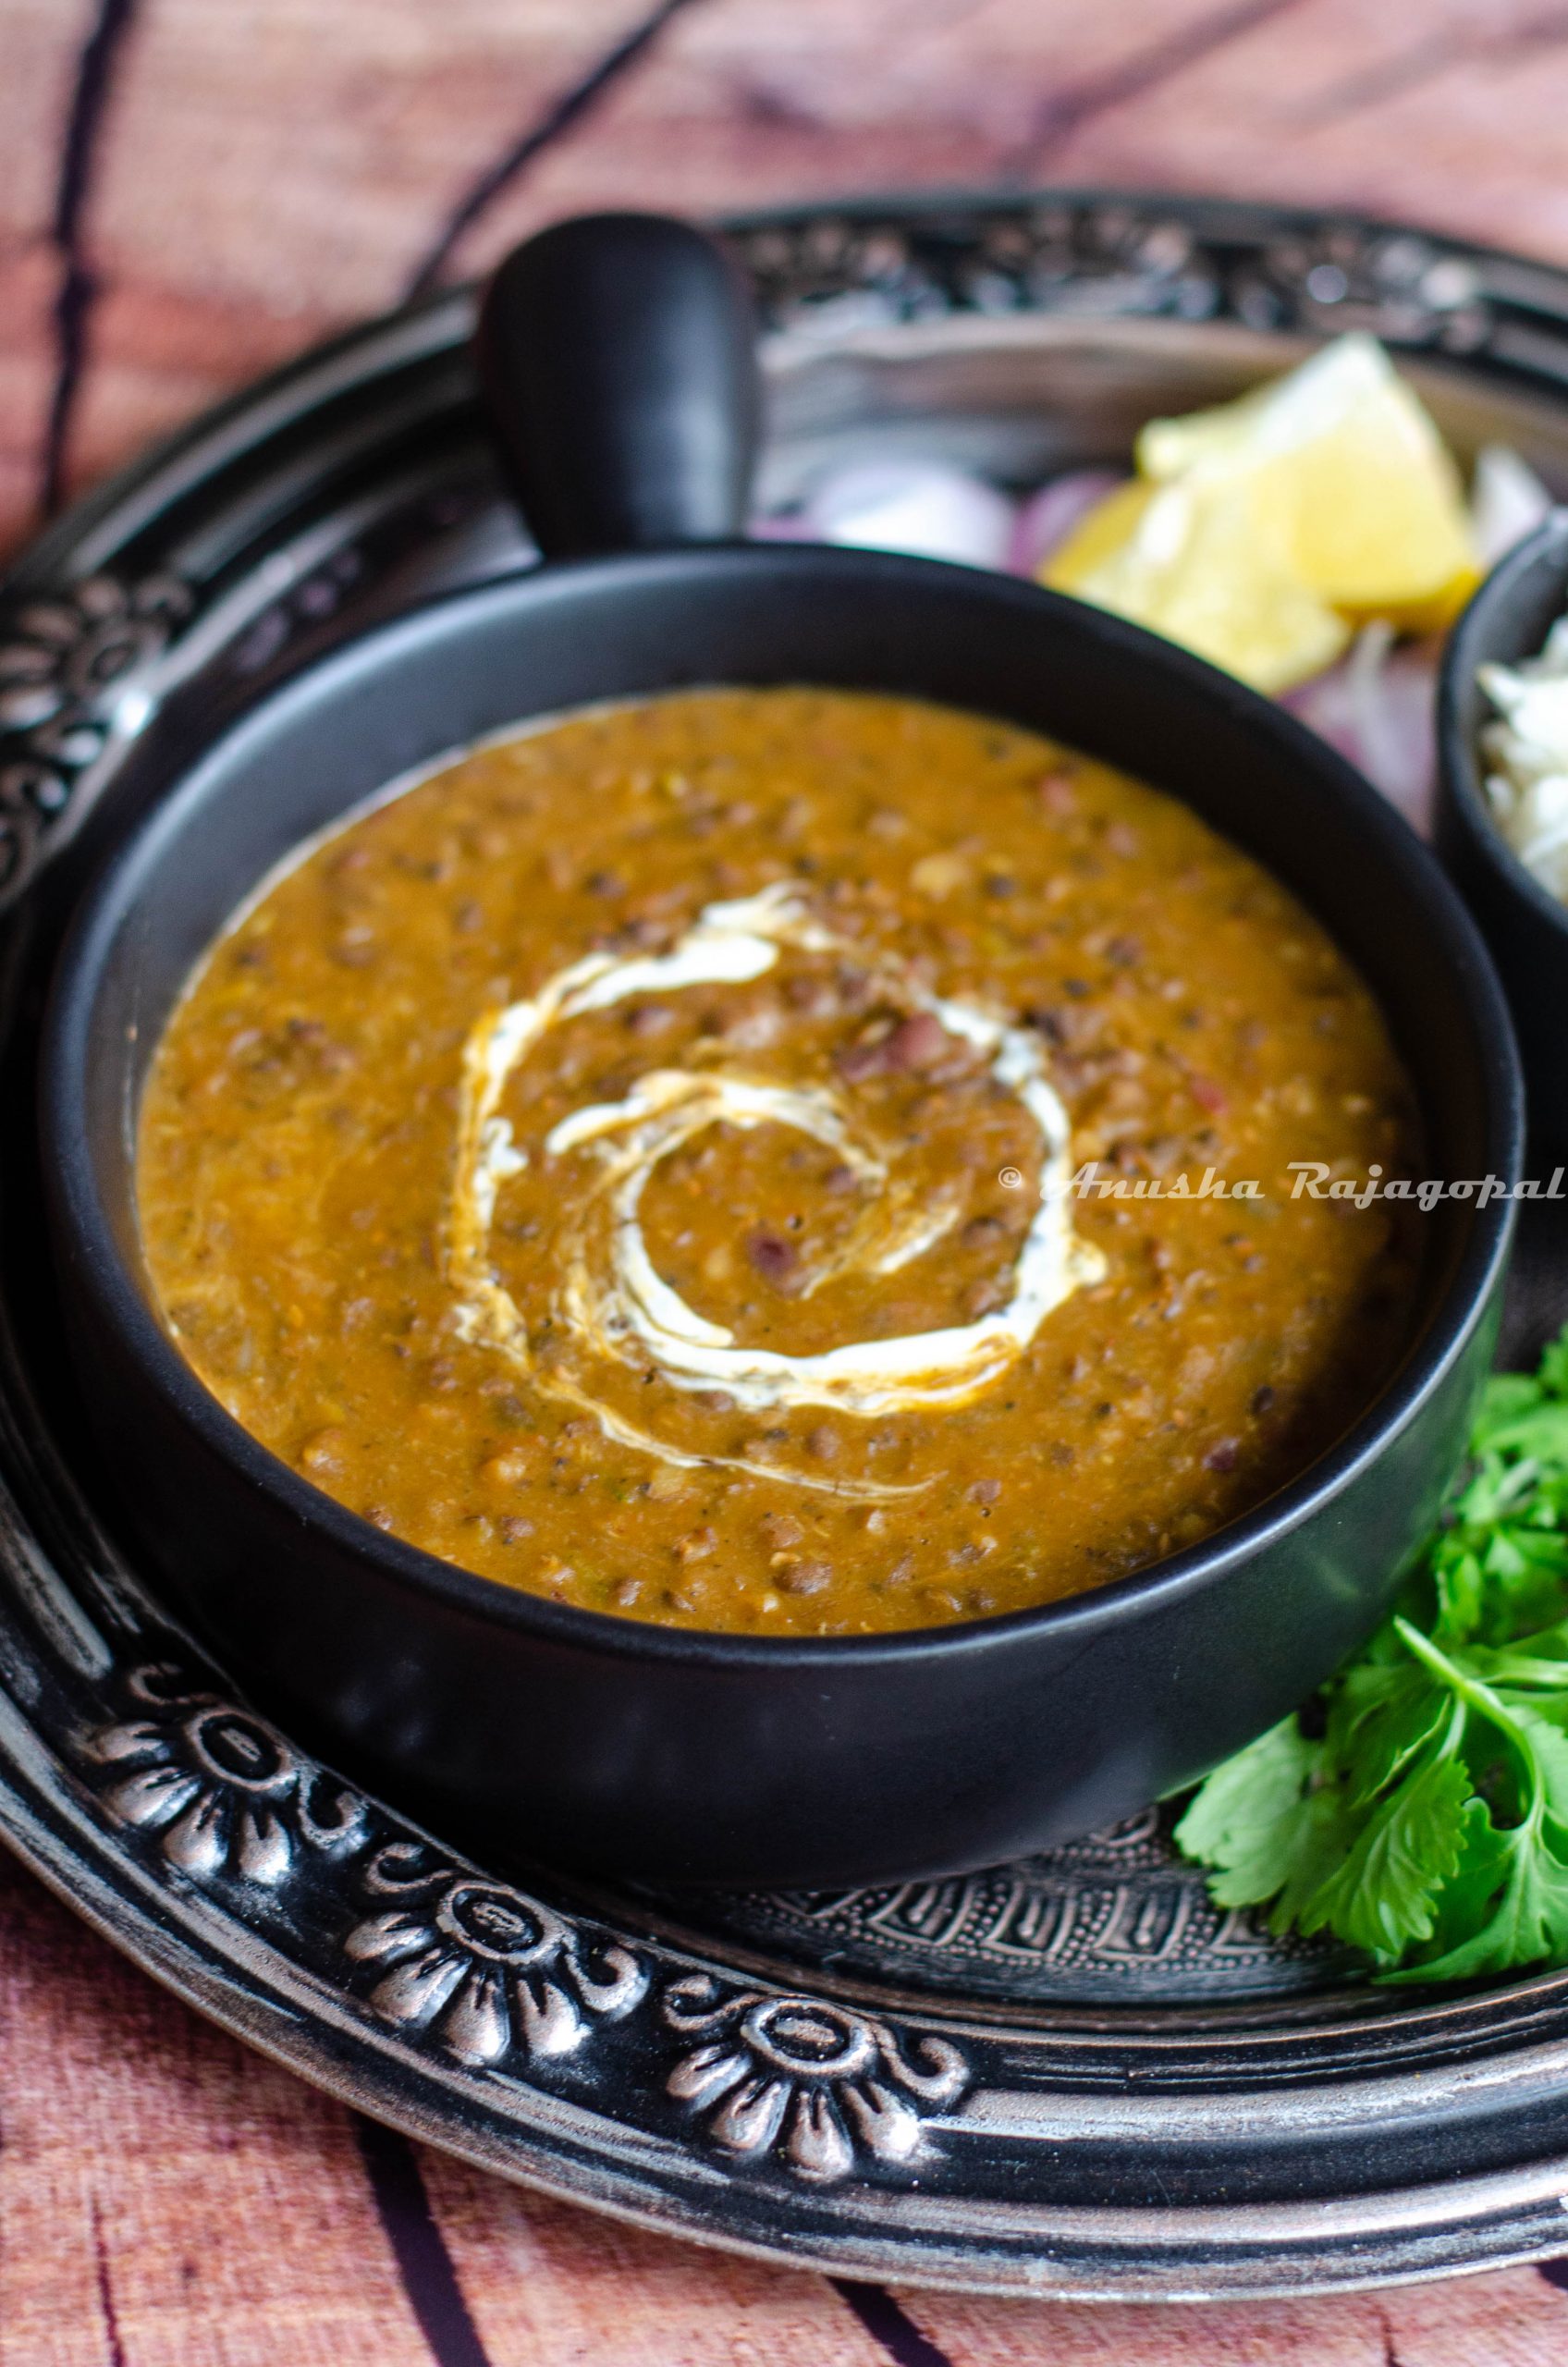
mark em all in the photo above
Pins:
pixel 476 2015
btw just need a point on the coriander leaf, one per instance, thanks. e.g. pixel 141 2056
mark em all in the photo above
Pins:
pixel 1514 1599
pixel 1248 1819
pixel 1429 1823
pixel 1504 1398
pixel 1461 1585
pixel 1382 1895
pixel 1528 1923
pixel 1546 1747
pixel 1501 1564
pixel 1539 1432
pixel 1519 1552
pixel 1520 1423
pixel 1324 1837
pixel 1542 1745
pixel 1540 1658
pixel 1468 1899
pixel 1380 1716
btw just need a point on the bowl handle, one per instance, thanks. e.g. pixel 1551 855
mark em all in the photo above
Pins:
pixel 617 355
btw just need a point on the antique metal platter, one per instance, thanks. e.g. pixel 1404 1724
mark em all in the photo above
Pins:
pixel 1068 2076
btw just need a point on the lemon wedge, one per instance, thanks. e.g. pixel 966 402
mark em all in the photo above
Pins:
pixel 1199 565
pixel 1328 497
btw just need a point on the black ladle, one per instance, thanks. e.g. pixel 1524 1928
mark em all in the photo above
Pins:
pixel 618 354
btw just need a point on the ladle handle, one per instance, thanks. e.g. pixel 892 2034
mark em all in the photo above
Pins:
pixel 618 355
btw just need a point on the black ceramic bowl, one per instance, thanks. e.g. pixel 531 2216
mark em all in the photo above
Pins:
pixel 657 1752
pixel 1522 922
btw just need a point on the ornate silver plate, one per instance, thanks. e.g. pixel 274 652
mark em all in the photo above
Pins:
pixel 1068 2076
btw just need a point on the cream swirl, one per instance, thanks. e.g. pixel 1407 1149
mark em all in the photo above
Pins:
pixel 612 1302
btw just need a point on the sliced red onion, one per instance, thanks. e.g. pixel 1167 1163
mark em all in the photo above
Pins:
pixel 921 507
pixel 1507 501
pixel 780 526
pixel 1048 518
pixel 1376 706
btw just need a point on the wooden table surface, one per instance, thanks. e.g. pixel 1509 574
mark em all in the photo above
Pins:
pixel 190 190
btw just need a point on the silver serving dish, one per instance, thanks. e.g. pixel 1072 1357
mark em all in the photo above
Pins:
pixel 1068 2076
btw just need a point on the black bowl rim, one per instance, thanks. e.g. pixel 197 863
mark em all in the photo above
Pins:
pixel 1075 1620
pixel 1466 650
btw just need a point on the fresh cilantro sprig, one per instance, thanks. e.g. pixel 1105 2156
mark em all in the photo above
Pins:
pixel 1417 1808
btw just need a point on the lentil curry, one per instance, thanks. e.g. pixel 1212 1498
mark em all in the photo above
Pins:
pixel 656 1161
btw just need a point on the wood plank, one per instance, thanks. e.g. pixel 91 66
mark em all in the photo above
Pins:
pixel 162 2189
pixel 27 278
pixel 327 148
pixel 325 144
pixel 778 101
pixel 547 2284
pixel 1514 2319
pixel 42 41
pixel 165 2190
pixel 1453 115
pixel 42 38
